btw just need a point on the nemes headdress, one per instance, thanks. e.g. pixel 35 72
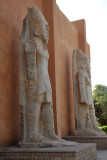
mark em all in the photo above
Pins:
pixel 82 59
pixel 36 20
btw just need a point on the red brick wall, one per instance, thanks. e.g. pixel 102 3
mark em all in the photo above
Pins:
pixel 66 40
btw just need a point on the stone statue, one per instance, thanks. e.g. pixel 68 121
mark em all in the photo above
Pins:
pixel 84 80
pixel 85 119
pixel 37 123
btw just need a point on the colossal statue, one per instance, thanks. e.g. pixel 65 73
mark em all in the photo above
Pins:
pixel 85 120
pixel 37 122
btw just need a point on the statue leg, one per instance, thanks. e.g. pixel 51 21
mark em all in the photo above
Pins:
pixel 23 124
pixel 93 119
pixel 48 121
pixel 32 115
pixel 30 120
pixel 38 136
pixel 82 94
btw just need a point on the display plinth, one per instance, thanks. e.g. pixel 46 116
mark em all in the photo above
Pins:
pixel 81 151
pixel 101 141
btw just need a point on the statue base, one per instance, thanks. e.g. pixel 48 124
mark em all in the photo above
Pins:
pixel 78 152
pixel 101 141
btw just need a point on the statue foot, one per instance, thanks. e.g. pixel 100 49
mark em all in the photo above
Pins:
pixel 39 138
pixel 54 137
pixel 58 140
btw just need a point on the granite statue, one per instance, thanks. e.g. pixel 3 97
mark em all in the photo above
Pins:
pixel 37 122
pixel 85 120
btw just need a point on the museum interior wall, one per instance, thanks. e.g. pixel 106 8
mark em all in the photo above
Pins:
pixel 64 36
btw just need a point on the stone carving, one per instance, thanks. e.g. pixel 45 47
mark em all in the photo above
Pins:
pixel 37 123
pixel 84 80
pixel 85 119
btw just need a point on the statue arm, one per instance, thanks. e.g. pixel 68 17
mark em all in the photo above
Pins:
pixel 43 53
pixel 30 53
pixel 88 79
pixel 81 80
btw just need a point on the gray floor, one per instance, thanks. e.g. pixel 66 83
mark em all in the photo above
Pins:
pixel 101 154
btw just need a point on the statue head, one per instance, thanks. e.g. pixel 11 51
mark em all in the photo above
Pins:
pixel 38 25
pixel 83 61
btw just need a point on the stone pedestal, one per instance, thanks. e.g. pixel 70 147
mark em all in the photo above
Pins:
pixel 79 152
pixel 101 141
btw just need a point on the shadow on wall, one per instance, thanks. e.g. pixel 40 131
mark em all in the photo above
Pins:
pixel 15 85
